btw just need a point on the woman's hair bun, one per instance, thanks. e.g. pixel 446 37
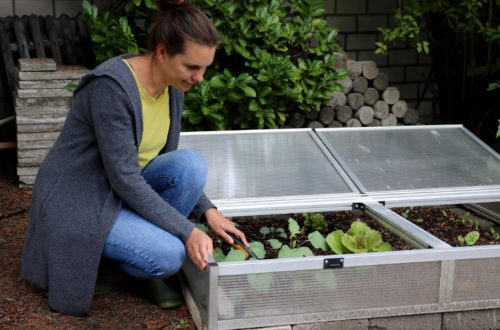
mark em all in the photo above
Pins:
pixel 165 5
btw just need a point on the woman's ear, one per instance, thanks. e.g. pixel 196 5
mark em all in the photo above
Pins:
pixel 161 52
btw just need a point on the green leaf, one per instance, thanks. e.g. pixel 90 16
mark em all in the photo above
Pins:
pixel 258 249
pixel 293 227
pixel 218 255
pixel 317 240
pixel 472 237
pixel 275 244
pixel 249 91
pixel 235 255
pixel 264 230
pixel 334 242
pixel 287 252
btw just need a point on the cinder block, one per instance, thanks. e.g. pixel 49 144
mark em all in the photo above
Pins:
pixel 426 111
pixel 403 57
pixel 330 7
pixel 68 7
pixel 6 8
pixel 482 319
pixel 407 91
pixel 382 6
pixel 380 60
pixel 371 23
pixel 425 321
pixel 395 73
pixel 29 7
pixel 335 325
pixel 361 41
pixel 417 73
pixel 351 6
pixel 344 23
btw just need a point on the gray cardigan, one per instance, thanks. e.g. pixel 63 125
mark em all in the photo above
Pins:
pixel 79 189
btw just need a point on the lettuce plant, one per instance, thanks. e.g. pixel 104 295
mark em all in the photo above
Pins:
pixel 358 239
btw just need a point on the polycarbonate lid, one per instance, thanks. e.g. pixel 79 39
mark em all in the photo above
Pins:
pixel 266 163
pixel 417 160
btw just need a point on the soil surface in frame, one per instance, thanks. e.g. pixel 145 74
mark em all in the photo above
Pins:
pixel 446 223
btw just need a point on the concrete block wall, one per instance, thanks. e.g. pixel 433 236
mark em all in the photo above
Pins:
pixel 43 7
pixel 358 21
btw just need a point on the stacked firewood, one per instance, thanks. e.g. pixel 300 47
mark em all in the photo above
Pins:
pixel 43 99
pixel 366 99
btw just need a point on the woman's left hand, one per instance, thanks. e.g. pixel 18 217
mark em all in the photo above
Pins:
pixel 222 225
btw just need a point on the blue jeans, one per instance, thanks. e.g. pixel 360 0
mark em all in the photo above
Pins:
pixel 143 249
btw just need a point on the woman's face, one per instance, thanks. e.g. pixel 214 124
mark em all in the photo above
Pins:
pixel 184 70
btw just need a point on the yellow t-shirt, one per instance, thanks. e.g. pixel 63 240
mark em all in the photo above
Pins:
pixel 155 120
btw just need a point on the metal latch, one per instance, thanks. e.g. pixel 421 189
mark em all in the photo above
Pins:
pixel 333 263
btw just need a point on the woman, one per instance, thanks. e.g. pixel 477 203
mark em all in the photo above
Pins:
pixel 114 185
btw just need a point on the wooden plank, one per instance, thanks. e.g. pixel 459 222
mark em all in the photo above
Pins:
pixel 32 153
pixel 8 59
pixel 59 92
pixel 45 136
pixel 62 72
pixel 8 145
pixel 23 162
pixel 43 102
pixel 43 110
pixel 44 84
pixel 68 35
pixel 22 39
pixel 53 36
pixel 36 34
pixel 21 120
pixel 35 144
pixel 37 64
pixel 36 128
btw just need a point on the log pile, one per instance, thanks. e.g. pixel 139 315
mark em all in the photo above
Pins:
pixel 366 99
pixel 42 102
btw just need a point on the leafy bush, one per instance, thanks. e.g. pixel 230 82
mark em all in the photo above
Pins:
pixel 463 38
pixel 111 34
pixel 275 57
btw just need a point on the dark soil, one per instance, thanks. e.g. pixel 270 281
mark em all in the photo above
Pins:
pixel 443 222
pixel 23 306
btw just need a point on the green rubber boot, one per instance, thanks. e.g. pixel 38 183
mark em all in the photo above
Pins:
pixel 162 295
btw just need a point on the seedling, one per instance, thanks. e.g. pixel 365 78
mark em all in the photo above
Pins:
pixel 359 238
pixel 315 221
pixel 469 239
pixel 405 213
pixel 183 324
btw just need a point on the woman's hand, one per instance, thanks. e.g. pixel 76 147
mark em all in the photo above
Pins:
pixel 220 225
pixel 199 247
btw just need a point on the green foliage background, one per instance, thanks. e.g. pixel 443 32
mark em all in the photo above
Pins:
pixel 463 38
pixel 275 57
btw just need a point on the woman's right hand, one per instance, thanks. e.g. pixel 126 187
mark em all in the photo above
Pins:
pixel 199 246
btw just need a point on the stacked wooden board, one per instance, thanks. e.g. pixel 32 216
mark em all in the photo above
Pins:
pixel 42 101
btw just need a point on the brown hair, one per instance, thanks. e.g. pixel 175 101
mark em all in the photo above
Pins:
pixel 178 22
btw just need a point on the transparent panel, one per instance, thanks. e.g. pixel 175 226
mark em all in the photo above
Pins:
pixel 405 159
pixel 307 291
pixel 246 165
pixel 199 286
pixel 476 279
